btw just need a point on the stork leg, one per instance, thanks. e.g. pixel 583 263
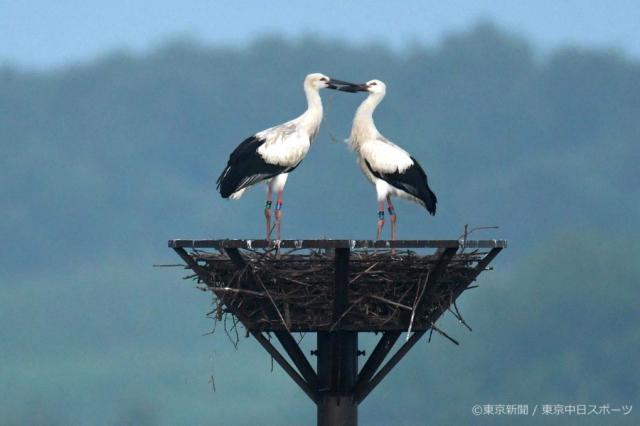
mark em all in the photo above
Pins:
pixel 267 212
pixel 278 214
pixel 380 219
pixel 393 218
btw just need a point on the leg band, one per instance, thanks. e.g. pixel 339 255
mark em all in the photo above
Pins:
pixel 380 214
pixel 267 205
pixel 392 211
pixel 279 205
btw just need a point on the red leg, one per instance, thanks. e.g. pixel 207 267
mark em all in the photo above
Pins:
pixel 267 213
pixel 393 218
pixel 380 219
pixel 278 215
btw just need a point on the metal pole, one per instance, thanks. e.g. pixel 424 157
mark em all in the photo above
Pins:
pixel 338 358
pixel 337 405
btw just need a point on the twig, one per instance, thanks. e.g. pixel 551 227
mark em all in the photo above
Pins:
pixel 345 313
pixel 362 273
pixel 415 302
pixel 459 315
pixel 391 302
pixel 257 278
pixel 240 290
pixel 233 342
pixel 468 232
pixel 442 333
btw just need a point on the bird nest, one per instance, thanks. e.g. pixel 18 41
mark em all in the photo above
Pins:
pixel 295 291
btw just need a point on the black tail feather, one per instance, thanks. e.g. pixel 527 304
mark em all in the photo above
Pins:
pixel 413 181
pixel 430 200
pixel 246 167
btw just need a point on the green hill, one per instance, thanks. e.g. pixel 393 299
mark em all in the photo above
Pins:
pixel 104 161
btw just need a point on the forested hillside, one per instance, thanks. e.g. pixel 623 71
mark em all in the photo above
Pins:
pixel 103 162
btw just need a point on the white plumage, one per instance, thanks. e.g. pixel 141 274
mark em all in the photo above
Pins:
pixel 236 195
pixel 392 170
pixel 287 144
pixel 385 156
pixel 276 150
pixel 271 154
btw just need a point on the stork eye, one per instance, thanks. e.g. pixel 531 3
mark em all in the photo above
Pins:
pixel 374 83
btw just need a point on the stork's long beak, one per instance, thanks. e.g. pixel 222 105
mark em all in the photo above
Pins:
pixel 353 88
pixel 343 86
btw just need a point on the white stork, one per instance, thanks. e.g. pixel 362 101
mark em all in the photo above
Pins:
pixel 270 155
pixel 392 170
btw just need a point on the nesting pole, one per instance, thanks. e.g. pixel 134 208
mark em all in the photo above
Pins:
pixel 337 289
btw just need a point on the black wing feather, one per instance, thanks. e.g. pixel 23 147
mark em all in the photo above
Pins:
pixel 246 167
pixel 412 181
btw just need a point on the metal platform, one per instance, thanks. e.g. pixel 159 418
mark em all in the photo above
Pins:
pixel 329 244
pixel 337 288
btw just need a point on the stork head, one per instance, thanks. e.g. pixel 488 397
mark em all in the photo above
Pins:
pixel 371 86
pixel 319 81
pixel 316 81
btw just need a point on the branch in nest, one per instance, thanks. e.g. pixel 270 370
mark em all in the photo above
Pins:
pixel 442 333
pixel 259 281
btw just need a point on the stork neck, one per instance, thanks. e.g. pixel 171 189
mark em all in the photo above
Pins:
pixel 366 108
pixel 363 124
pixel 314 102
pixel 313 115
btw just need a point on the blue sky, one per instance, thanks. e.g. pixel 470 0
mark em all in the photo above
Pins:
pixel 41 34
